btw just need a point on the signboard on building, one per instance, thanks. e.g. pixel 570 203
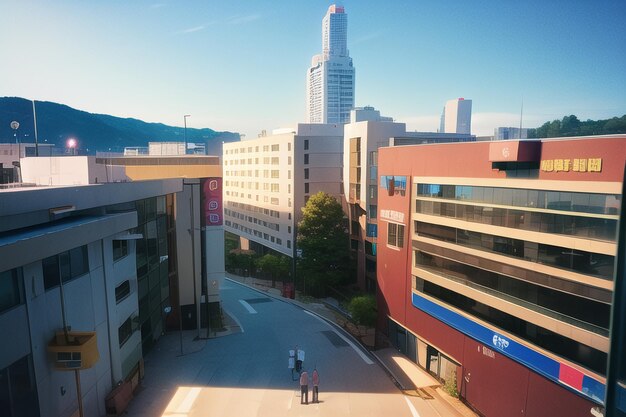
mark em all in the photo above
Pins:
pixel 212 214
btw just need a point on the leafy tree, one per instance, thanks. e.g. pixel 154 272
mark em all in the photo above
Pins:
pixel 323 239
pixel 272 265
pixel 239 263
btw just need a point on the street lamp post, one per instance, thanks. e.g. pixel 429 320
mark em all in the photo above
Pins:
pixel 16 125
pixel 185 120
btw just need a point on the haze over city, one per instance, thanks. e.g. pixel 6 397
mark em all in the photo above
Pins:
pixel 240 66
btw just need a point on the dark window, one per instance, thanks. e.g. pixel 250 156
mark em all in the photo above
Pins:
pixel 51 273
pixel 18 394
pixel 395 235
pixel 125 331
pixel 306 173
pixel 306 187
pixel 370 248
pixel 120 249
pixel 79 261
pixel 65 266
pixel 584 355
pixel 306 158
pixel 10 293
pixel 122 291
pixel 306 144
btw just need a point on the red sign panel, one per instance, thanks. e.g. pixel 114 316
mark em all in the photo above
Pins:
pixel 212 202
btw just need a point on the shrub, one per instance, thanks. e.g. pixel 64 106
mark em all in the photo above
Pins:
pixel 363 310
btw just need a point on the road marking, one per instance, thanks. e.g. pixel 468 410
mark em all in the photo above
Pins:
pixel 247 307
pixel 411 408
pixel 363 356
pixel 232 316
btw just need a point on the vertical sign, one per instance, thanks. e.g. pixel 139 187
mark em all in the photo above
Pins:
pixel 212 202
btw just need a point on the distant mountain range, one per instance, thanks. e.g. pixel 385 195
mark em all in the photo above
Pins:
pixel 95 132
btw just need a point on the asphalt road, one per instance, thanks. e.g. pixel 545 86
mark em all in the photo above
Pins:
pixel 246 374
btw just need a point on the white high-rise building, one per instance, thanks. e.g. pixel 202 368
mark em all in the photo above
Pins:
pixel 457 117
pixel 330 80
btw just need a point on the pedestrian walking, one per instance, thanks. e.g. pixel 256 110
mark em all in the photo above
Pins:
pixel 316 382
pixel 299 359
pixel 304 387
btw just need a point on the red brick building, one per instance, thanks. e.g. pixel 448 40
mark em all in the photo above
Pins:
pixel 496 264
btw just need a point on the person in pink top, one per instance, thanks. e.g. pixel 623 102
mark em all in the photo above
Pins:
pixel 316 383
pixel 304 387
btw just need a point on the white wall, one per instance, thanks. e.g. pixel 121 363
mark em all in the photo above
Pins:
pixel 64 170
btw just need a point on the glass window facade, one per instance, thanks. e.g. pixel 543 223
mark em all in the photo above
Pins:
pixel 579 311
pixel 543 199
pixel 588 263
pixel 560 345
pixel 393 184
pixel 152 264
pixel 564 224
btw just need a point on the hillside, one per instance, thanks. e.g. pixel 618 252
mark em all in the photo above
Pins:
pixel 95 132
pixel 572 126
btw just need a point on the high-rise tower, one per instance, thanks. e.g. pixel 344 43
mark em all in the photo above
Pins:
pixel 457 116
pixel 330 80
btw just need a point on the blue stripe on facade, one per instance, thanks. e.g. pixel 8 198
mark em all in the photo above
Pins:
pixel 534 360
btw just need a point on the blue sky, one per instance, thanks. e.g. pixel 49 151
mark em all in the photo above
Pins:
pixel 240 65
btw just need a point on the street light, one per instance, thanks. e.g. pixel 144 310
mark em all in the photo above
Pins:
pixel 185 120
pixel 71 144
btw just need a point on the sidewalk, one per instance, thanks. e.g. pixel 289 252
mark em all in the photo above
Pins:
pixel 408 376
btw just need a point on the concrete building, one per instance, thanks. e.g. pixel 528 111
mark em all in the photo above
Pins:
pixel 362 137
pixel 330 79
pixel 496 267
pixel 91 259
pixel 268 180
pixel 457 117
pixel 196 223
pixel 504 133
pixel 166 149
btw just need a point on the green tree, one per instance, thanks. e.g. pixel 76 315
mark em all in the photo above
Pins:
pixel 572 126
pixel 323 239
pixel 270 264
pixel 363 310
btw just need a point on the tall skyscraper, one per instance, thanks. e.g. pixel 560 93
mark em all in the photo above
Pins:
pixel 457 117
pixel 330 80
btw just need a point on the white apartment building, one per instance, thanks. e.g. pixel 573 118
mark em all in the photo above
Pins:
pixel 457 117
pixel 330 79
pixel 268 180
